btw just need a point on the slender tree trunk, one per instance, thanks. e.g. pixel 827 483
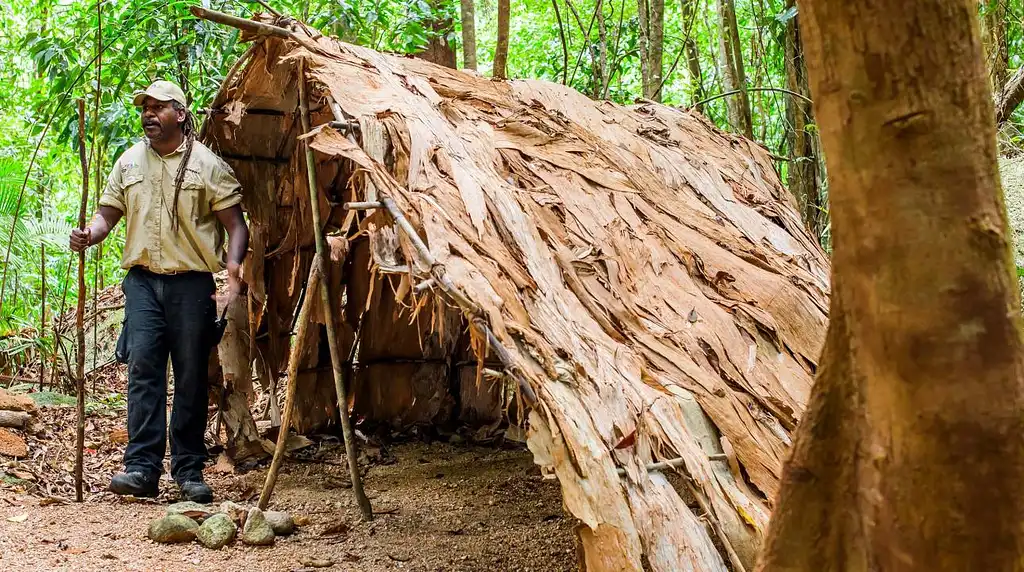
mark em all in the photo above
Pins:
pixel 733 76
pixel 602 51
pixel 652 46
pixel 501 50
pixel 997 55
pixel 911 453
pixel 689 8
pixel 803 168
pixel 468 34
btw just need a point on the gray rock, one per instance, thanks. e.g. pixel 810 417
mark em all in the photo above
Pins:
pixel 195 511
pixel 216 532
pixel 173 528
pixel 281 522
pixel 257 531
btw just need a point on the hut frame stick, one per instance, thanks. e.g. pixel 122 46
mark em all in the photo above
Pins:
pixel 332 339
pixel 293 382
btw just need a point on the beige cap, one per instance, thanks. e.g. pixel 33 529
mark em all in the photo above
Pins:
pixel 160 90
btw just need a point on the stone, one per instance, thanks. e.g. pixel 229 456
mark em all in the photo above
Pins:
pixel 235 511
pixel 281 522
pixel 216 532
pixel 12 402
pixel 12 445
pixel 173 528
pixel 257 531
pixel 195 511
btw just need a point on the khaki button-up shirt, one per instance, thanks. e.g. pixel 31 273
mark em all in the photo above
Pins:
pixel 141 185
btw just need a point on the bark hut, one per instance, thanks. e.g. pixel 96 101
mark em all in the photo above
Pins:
pixel 630 283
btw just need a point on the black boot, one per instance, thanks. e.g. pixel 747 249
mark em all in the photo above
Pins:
pixel 196 490
pixel 136 484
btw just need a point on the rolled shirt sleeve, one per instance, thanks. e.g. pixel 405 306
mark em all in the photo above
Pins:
pixel 113 193
pixel 225 190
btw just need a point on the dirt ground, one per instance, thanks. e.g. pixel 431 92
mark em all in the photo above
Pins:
pixel 441 507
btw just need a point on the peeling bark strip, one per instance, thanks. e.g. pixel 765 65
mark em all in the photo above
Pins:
pixel 911 454
pixel 644 272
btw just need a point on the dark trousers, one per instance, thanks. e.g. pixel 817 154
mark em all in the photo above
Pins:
pixel 167 315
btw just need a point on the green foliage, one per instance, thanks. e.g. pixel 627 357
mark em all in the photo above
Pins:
pixel 48 59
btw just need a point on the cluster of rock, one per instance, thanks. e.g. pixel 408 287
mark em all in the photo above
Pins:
pixel 217 527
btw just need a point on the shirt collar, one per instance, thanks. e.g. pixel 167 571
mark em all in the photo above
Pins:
pixel 180 149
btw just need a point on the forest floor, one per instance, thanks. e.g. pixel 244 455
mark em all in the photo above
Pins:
pixel 441 507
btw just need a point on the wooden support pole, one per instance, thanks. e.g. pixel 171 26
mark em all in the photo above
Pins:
pixel 677 463
pixel 80 311
pixel 337 361
pixel 293 382
pixel 362 206
pixel 241 23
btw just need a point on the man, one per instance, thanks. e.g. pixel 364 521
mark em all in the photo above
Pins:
pixel 177 198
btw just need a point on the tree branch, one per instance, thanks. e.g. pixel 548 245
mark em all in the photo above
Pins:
pixel 1010 98
pixel 737 91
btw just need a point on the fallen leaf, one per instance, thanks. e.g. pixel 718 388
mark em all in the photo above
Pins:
pixel 19 518
pixel 224 465
pixel 118 436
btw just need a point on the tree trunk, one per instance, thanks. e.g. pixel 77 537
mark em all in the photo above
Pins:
pixel 733 76
pixel 803 168
pixel 602 51
pixel 501 50
pixel 468 34
pixel 439 49
pixel 997 55
pixel 652 46
pixel 910 456
pixel 693 56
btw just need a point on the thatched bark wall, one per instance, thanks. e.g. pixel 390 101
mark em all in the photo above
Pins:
pixel 647 272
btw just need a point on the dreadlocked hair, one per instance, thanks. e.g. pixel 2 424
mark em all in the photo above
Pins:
pixel 188 128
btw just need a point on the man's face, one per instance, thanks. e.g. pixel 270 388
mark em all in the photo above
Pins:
pixel 160 121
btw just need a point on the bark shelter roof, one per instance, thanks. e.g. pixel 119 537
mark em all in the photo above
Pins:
pixel 648 272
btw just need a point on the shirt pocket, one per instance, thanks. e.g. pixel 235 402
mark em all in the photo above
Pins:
pixel 131 182
pixel 193 195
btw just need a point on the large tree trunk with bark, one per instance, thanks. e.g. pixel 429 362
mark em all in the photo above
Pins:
pixel 501 50
pixel 804 176
pixel 910 455
pixel 468 34
pixel 733 75
pixel 652 46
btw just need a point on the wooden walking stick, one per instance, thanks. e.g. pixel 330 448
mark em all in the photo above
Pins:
pixel 336 358
pixel 80 311
pixel 293 381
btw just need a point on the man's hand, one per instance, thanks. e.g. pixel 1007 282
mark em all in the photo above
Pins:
pixel 234 282
pixel 80 239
